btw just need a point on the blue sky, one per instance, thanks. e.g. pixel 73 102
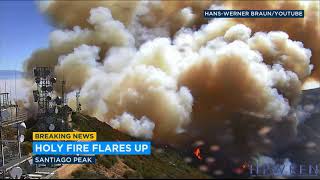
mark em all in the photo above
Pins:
pixel 22 30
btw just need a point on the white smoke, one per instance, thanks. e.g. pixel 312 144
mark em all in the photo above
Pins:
pixel 142 128
pixel 82 60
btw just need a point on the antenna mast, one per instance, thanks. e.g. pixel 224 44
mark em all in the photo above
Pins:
pixel 78 101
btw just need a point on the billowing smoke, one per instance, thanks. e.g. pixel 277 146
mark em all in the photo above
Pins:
pixel 306 30
pixel 138 128
pixel 155 77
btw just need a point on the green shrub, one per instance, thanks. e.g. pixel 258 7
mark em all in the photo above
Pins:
pixel 107 161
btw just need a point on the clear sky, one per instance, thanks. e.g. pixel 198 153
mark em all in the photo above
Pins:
pixel 22 30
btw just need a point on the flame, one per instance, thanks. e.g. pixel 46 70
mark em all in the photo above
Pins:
pixel 197 153
pixel 238 170
pixel 245 166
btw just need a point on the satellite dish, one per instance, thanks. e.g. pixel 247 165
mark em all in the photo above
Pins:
pixel 22 125
pixel 5 114
pixel 21 138
pixel 52 127
pixel 53 80
pixel 16 173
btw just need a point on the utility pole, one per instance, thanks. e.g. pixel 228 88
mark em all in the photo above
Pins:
pixel 78 101
pixel 64 102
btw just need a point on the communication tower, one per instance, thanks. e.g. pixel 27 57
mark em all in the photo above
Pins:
pixel 43 94
pixel 52 109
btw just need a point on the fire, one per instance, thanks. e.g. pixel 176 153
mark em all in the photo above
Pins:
pixel 245 166
pixel 197 153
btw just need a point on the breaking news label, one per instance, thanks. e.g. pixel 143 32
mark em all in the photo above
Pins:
pixel 64 136
pixel 253 13
pixel 80 147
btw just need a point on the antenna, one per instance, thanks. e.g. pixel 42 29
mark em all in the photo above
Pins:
pixel 16 173
pixel 63 82
pixel 15 81
pixel 45 81
pixel 8 120
pixel 78 101
pixel 50 108
pixel 62 88
pixel 10 90
pixel 15 84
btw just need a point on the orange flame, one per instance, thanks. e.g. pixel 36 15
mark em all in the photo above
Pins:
pixel 245 166
pixel 197 153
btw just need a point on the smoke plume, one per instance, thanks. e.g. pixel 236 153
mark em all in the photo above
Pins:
pixel 160 69
pixel 306 30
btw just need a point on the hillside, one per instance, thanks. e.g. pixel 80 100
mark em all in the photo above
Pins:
pixel 164 162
